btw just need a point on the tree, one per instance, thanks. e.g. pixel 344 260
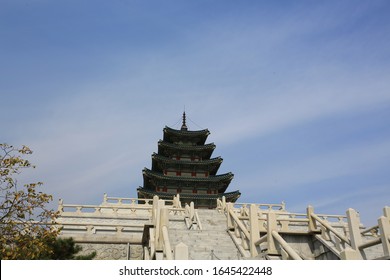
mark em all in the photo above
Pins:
pixel 26 225
pixel 67 249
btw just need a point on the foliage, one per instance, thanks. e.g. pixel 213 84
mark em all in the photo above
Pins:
pixel 26 226
pixel 66 249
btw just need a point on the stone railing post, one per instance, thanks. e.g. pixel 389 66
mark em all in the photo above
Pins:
pixel 154 209
pixel 181 251
pixel 164 238
pixel 312 221
pixel 230 221
pixel 152 242
pixel 386 212
pixel 254 229
pixel 384 227
pixel 158 238
pixel 354 229
pixel 60 206
pixel 176 201
pixel 350 254
pixel 244 211
pixel 192 211
pixel 271 226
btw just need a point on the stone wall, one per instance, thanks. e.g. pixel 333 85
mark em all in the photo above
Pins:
pixel 113 251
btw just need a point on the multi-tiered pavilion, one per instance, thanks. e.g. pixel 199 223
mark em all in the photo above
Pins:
pixel 183 165
pixel 183 172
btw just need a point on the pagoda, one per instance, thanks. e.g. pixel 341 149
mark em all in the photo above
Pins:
pixel 183 165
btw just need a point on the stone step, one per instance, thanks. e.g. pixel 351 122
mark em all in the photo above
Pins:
pixel 212 242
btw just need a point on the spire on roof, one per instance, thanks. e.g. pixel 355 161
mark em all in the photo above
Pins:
pixel 184 126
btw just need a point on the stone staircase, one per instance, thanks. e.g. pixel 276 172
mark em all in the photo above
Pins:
pixel 212 242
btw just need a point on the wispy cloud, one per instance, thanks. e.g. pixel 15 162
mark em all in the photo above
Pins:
pixel 92 101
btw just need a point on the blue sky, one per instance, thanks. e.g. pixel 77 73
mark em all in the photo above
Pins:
pixel 296 95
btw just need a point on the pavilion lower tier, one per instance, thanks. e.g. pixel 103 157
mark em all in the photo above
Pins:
pixel 200 200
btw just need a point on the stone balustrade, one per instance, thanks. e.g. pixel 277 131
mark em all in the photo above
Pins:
pixel 256 229
pixel 340 232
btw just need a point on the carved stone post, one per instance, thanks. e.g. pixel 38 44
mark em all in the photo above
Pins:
pixel 158 240
pixel 192 211
pixel 164 238
pixel 181 251
pixel 223 203
pixel 254 229
pixel 350 254
pixel 164 217
pixel 354 229
pixel 60 206
pixel 230 221
pixel 154 209
pixel 312 221
pixel 271 226
pixel 176 201
pixel 386 212
pixel 384 227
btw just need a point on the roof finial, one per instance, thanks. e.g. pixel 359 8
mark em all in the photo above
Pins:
pixel 184 126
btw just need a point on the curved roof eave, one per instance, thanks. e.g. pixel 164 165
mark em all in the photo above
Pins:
pixel 212 161
pixel 203 132
pixel 234 194
pixel 213 178
pixel 210 146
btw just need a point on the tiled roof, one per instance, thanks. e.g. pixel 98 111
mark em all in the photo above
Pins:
pixel 165 144
pixel 213 161
pixel 234 194
pixel 203 132
pixel 227 177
